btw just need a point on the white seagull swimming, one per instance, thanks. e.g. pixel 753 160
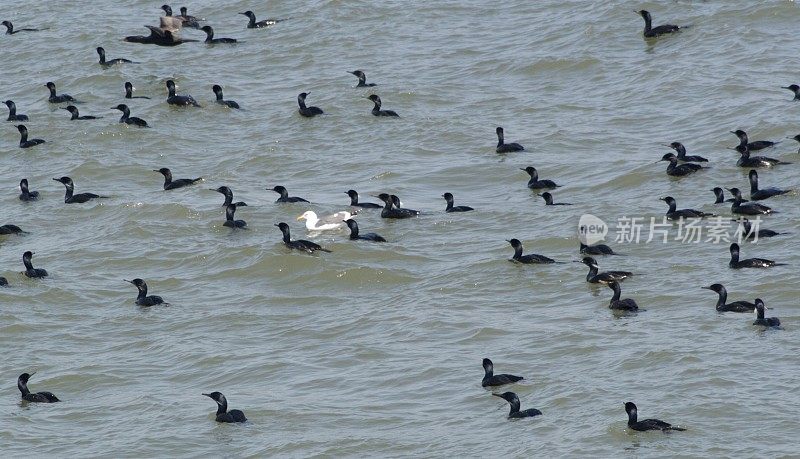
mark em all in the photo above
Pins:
pixel 328 223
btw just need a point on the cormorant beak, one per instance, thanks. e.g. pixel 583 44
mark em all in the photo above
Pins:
pixel 707 288
pixel 308 93
pixel 156 170
pixel 57 180
pixel 497 395
pixel 31 374
pixel 276 225
pixel 785 87
pixel 243 14
pixel 522 169
pixel 733 132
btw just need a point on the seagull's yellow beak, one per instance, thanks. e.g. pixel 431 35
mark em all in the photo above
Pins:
pixel 302 217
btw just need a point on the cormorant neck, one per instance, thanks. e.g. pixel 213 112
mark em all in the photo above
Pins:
pixel 648 23
pixel 673 206
pixel 27 263
pixel 23 387
pixel 617 292
pixel 500 139
pixel 517 252
pixel 229 212
pixel 592 272
pixel 723 297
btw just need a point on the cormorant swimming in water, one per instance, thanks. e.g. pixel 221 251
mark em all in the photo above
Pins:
pixel 681 170
pixel 761 320
pixel 142 299
pixel 451 208
pixel 752 146
pixel 57 98
pixel 183 101
pixel 652 32
pixel 515 413
pixel 674 214
pixel 223 415
pixel 681 151
pixel 761 233
pixel 185 15
pixel 23 138
pixel 795 89
pixel 491 379
pixel 720 195
pixel 534 183
pixel 626 304
pixel 502 146
pixel 230 210
pixel 355 235
pixel 11 31
pixel 531 258
pixel 364 205
pixel 127 118
pixel 30 271
pixel 129 92
pixel 76 115
pixel 70 198
pixel 12 112
pixel 227 192
pixel 252 24
pixel 735 263
pixel 210 36
pixel 38 397
pixel 399 205
pixel 390 212
pixel 548 200
pixel 745 160
pixel 170 184
pixel 596 249
pixel 647 424
pixel 757 194
pixel 376 110
pixel 108 63
pixel 308 112
pixel 281 190
pixel 26 195
pixel 3 282
pixel 723 306
pixel 362 79
pixel 741 207
pixel 10 229
pixel 299 244
pixel 228 103
pixel 605 277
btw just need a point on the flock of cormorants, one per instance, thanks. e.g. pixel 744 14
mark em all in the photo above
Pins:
pixel 680 165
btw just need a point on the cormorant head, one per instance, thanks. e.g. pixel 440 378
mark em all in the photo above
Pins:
pixel 217 397
pixel 167 9
pixel 65 180
pixel 499 131
pixel 669 157
pixel 23 378
pixel 27 255
pixel 530 170
pixel 630 408
pixel 216 88
pixel 384 197
pixel 249 14
pixel 351 223
pixel 71 108
pixel 589 261
pixel 374 98
pixel 515 243
pixel 9 103
pixel 510 397
pixel 668 199
pixel 139 283
pixel 22 129
pixel 358 73
pixel 715 287
pixel 739 133
pixel 737 193
pixel 644 13
pixel 792 87
pixel 734 250
pixel 101 51
pixel 488 366
pixel 170 85
pixel 448 196
pixel 121 107
pixel 280 189
pixel 207 29
pixel 50 85
pixel 164 171
pixel 753 174
pixel 283 227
